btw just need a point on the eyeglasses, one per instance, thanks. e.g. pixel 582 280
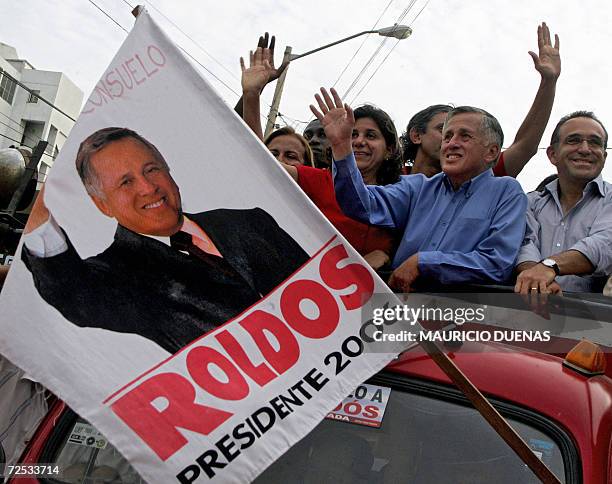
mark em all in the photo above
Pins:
pixel 594 142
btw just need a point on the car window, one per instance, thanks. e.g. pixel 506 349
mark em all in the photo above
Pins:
pixel 422 439
pixel 85 456
pixel 426 436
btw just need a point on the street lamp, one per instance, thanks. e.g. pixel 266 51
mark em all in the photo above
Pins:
pixel 396 31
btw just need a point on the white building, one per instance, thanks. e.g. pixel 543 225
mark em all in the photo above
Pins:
pixel 25 119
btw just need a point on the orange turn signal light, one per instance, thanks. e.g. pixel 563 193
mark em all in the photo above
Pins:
pixel 586 358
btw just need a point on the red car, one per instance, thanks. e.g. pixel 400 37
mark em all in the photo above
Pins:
pixel 428 432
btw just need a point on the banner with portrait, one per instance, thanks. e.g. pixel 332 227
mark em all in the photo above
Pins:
pixel 195 371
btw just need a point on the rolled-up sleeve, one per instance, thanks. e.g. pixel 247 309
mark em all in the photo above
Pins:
pixel 530 251
pixel 597 246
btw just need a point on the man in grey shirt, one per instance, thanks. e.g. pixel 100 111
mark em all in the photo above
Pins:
pixel 568 242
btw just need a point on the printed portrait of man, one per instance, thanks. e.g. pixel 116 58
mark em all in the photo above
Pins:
pixel 168 276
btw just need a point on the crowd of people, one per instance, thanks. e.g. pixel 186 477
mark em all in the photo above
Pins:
pixel 440 205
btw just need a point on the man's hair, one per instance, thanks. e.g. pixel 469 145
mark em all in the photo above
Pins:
pixel 489 127
pixel 390 169
pixel 554 139
pixel 289 131
pixel 419 122
pixel 97 141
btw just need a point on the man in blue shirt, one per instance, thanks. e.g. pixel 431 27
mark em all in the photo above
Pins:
pixel 463 225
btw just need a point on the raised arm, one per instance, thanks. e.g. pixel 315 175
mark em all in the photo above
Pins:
pixel 273 74
pixel 548 63
pixel 254 78
pixel 337 120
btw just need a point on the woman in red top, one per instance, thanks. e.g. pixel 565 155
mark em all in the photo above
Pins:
pixel 376 148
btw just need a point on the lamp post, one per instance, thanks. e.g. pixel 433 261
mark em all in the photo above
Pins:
pixel 396 31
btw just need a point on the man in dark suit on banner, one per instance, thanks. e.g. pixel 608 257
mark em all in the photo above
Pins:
pixel 168 276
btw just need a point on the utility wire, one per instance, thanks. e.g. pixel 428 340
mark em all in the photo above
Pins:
pixel 361 45
pixel 417 15
pixel 13 139
pixel 186 53
pixel 10 119
pixel 23 86
pixel 193 40
pixel 400 18
pixel 111 18
pixel 18 132
pixel 27 146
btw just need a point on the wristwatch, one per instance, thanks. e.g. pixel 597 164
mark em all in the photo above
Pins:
pixel 552 264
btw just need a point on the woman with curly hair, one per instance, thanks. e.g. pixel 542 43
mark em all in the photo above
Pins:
pixel 377 151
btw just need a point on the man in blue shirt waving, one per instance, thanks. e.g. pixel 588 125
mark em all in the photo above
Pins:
pixel 461 226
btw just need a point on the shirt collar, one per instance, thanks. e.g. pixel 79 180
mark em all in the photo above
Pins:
pixel 599 183
pixel 470 186
pixel 188 226
pixel 596 184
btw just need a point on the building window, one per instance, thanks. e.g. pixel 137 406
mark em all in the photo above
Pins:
pixel 7 88
pixel 33 97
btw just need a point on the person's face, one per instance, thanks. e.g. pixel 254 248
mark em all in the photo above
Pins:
pixel 431 141
pixel 138 190
pixel 287 149
pixel 580 154
pixel 369 146
pixel 319 144
pixel 465 151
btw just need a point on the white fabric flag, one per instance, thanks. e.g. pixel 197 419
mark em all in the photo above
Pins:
pixel 106 317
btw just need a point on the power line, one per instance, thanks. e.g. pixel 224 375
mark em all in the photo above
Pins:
pixel 23 144
pixel 11 119
pixel 400 18
pixel 18 132
pixel 374 73
pixel 13 139
pixel 376 52
pixel 364 68
pixel 186 53
pixel 107 15
pixel 35 94
pixel 362 43
pixel 417 15
pixel 193 40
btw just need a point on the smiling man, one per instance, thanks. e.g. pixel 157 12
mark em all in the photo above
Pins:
pixel 168 276
pixel 567 246
pixel 461 226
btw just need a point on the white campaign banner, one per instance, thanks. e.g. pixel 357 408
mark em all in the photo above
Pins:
pixel 196 369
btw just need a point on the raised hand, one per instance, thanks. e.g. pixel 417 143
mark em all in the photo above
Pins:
pixel 257 75
pixel 337 120
pixel 548 61
pixel 268 54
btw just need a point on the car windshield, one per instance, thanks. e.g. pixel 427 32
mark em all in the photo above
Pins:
pixel 425 436
pixel 422 439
